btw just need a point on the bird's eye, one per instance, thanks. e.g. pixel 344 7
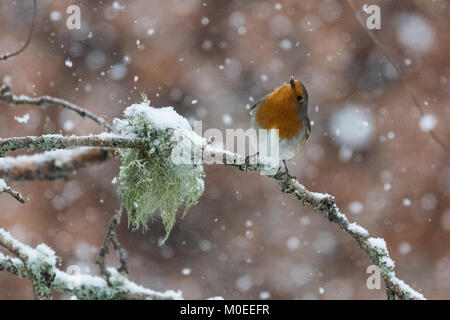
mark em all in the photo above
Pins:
pixel 299 98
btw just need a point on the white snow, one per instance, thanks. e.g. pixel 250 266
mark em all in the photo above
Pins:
pixel 285 44
pixel 118 6
pixel 356 228
pixel 68 63
pixel 356 207
pixel 59 156
pixel 405 288
pixel 161 118
pixel 118 71
pixel 3 185
pixel 427 122
pixel 324 242
pixel 428 202
pixel 352 127
pixel 404 248
pixel 95 60
pixel 205 245
pixel 415 33
pixel 68 125
pixel 227 119
pixel 55 16
pixel 22 119
pixel 186 271
pixel 319 196
pixel 126 285
pixel 205 21
pixel 293 243
pixel 236 19
pixel 378 243
pixel 244 283
pixel 406 202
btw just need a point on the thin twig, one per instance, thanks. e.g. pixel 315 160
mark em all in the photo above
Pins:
pixel 111 238
pixel 46 101
pixel 7 189
pixel 16 195
pixel 399 70
pixel 30 34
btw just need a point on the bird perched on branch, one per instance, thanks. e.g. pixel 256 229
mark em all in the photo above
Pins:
pixel 285 110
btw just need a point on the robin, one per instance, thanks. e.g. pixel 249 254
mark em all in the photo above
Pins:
pixel 285 110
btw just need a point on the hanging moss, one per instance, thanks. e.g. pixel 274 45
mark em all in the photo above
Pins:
pixel 149 182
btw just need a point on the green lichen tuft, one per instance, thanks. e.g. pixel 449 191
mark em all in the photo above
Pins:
pixel 149 182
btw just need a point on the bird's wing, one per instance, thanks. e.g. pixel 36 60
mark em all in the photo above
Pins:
pixel 308 129
pixel 257 103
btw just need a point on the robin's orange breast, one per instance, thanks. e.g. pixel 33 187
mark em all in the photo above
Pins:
pixel 280 111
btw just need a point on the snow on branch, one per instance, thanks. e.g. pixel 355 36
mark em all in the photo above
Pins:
pixel 6 189
pixel 50 142
pixel 325 204
pixel 38 265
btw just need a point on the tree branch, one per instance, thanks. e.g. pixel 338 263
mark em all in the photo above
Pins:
pixel 55 141
pixel 390 58
pixel 325 204
pixel 35 267
pixel 52 165
pixel 42 260
pixel 111 238
pixel 5 188
pixel 45 101
pixel 30 34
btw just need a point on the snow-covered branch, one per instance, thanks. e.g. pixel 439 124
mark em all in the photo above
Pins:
pixel 325 204
pixel 38 265
pixel 7 189
pixel 56 141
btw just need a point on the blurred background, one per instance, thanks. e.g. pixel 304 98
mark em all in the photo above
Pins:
pixel 370 146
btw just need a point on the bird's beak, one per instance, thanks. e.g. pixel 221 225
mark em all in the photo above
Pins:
pixel 292 83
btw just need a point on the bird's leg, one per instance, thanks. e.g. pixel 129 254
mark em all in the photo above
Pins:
pixel 247 158
pixel 285 167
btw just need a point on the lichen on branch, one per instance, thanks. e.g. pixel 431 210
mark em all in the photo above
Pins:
pixel 149 181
